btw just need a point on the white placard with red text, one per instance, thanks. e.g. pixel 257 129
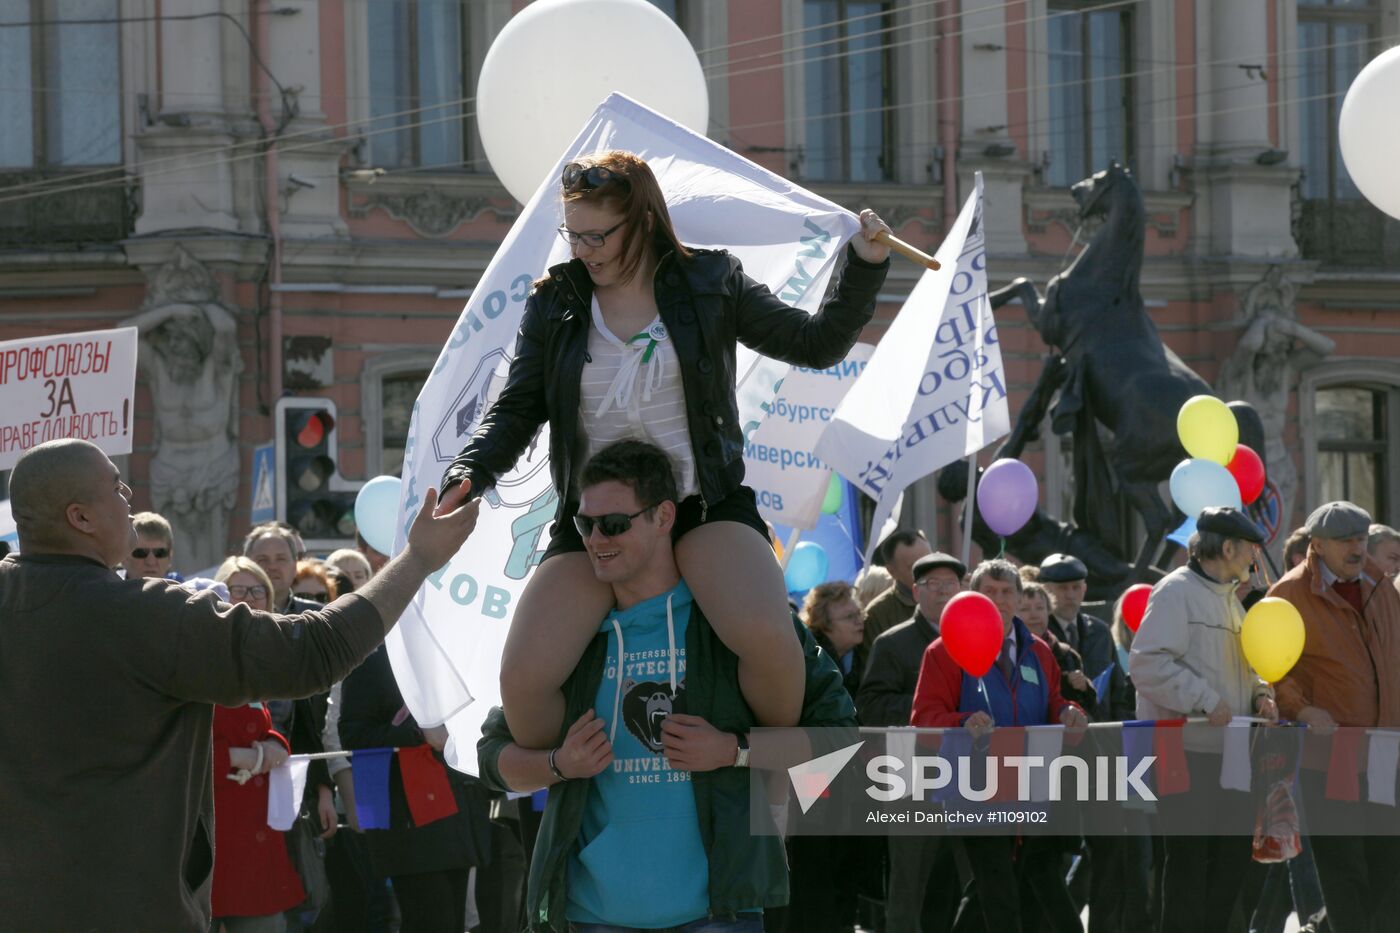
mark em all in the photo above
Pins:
pixel 71 385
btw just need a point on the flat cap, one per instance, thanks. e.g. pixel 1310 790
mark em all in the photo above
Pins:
pixel 938 559
pixel 1229 523
pixel 1062 568
pixel 1338 520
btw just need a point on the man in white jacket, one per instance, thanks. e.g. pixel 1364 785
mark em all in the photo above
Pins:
pixel 1186 660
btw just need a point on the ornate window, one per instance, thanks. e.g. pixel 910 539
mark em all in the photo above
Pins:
pixel 418 83
pixel 389 386
pixel 61 112
pixel 58 99
pixel 1349 420
pixel 1091 90
pixel 847 72
pixel 1335 224
pixel 1351 446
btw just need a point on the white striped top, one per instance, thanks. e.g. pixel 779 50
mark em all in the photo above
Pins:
pixel 632 389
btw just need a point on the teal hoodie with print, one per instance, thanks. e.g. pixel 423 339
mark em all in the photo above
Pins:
pixel 640 860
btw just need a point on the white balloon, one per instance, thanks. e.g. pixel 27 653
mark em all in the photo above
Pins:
pixel 555 62
pixel 1369 133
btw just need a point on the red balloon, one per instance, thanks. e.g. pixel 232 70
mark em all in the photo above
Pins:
pixel 1135 605
pixel 1248 471
pixel 971 629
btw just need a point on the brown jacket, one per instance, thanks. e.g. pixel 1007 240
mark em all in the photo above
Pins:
pixel 107 689
pixel 1350 665
pixel 892 607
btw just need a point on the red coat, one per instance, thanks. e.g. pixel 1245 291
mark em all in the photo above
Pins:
pixel 253 874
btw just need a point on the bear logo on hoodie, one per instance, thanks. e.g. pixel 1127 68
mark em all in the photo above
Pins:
pixel 645 707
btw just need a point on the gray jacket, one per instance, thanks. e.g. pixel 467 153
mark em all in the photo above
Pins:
pixel 1186 656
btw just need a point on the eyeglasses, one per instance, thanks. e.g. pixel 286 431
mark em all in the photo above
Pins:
pixel 941 585
pixel 611 525
pixel 318 597
pixel 141 553
pixel 591 239
pixel 256 591
pixel 578 178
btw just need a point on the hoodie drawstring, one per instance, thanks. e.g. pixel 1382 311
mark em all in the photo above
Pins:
pixel 621 659
pixel 617 698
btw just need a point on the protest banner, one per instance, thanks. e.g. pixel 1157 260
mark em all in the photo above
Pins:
pixel 787 478
pixel 446 648
pixel 935 389
pixel 71 385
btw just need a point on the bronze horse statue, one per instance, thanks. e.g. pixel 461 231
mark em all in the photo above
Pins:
pixel 1110 368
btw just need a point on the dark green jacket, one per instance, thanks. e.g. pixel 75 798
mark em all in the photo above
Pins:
pixel 746 871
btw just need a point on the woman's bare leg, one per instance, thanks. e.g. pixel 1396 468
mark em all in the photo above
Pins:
pixel 559 613
pixel 738 584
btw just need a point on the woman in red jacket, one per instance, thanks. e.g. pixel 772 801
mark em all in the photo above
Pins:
pixel 254 880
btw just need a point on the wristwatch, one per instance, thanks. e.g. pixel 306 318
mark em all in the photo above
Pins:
pixel 741 755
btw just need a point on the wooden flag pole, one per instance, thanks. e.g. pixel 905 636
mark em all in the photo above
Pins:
pixel 912 253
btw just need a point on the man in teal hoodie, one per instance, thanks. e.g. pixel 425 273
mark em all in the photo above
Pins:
pixel 647 825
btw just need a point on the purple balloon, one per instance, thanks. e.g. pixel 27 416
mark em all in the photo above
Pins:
pixel 1007 496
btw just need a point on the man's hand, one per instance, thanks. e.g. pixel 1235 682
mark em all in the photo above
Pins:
pixel 434 540
pixel 1073 717
pixel 979 724
pixel 586 750
pixel 325 809
pixel 1266 707
pixel 1077 680
pixel 436 736
pixel 1317 719
pixel 1220 716
pixel 455 497
pixel 690 743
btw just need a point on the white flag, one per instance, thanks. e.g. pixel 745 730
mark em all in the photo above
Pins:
pixel 446 649
pixel 1236 772
pixel 285 785
pixel 935 390
pixel 1380 767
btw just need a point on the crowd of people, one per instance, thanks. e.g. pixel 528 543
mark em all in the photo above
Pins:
pixel 141 717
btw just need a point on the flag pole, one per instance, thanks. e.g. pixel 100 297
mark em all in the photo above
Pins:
pixel 968 508
pixel 908 251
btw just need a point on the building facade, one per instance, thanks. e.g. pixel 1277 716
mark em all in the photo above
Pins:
pixel 300 186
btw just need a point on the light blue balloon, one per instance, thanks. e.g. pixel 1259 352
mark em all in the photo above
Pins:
pixel 1199 484
pixel 377 512
pixel 806 567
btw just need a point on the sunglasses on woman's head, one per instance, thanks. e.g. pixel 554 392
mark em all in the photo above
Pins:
pixel 141 553
pixel 611 524
pixel 579 178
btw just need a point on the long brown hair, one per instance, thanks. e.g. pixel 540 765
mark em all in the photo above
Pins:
pixel 636 195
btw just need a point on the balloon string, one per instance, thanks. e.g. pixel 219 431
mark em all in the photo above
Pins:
pixel 1002 552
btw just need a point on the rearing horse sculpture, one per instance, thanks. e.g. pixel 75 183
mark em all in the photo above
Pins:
pixel 1112 370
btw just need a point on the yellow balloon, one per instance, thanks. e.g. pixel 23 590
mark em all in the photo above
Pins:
pixel 1272 638
pixel 1208 429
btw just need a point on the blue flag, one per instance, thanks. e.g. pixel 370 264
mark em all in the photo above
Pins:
pixel 1138 743
pixel 1101 682
pixel 370 768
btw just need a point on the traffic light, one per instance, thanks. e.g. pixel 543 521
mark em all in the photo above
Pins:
pixel 311 495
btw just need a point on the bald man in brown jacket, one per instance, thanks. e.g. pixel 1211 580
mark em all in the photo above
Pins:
pixel 107 693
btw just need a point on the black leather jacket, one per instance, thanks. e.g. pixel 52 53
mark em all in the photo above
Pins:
pixel 707 304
